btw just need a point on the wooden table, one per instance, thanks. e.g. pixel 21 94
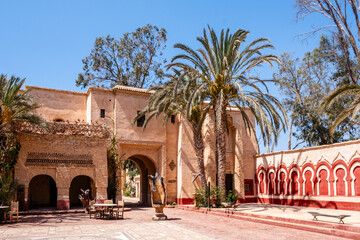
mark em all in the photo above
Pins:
pixel 102 208
pixel 2 210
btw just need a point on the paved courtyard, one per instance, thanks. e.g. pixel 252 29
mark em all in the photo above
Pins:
pixel 138 225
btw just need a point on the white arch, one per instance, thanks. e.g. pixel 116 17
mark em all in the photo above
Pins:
pixel 352 169
pixel 298 182
pixel 311 179
pixel 327 179
pixel 264 180
pixel 336 178
pixel 284 171
pixel 271 171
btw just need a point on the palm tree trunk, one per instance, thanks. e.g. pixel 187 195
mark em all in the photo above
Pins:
pixel 199 150
pixel 220 131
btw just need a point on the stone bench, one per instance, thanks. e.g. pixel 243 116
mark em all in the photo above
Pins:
pixel 340 217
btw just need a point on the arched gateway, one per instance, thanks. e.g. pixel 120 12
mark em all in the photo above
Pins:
pixel 78 183
pixel 146 167
pixel 42 192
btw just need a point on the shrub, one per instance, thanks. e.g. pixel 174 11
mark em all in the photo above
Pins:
pixel 231 197
pixel 216 196
pixel 200 197
pixel 8 188
pixel 127 193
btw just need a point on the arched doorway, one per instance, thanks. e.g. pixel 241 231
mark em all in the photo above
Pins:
pixel 42 192
pixel 146 167
pixel 78 183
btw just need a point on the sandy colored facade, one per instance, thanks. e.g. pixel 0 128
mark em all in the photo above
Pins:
pixel 61 162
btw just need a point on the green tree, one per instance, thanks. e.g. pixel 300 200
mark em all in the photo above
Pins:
pixel 8 188
pixel 224 66
pixel 15 107
pixel 304 84
pixel 343 16
pixel 134 60
pixel 351 109
pixel 174 98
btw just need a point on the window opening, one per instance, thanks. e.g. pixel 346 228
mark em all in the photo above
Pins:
pixel 102 113
pixel 140 121
pixel 172 118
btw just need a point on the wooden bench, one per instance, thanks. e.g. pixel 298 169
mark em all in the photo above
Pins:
pixel 340 217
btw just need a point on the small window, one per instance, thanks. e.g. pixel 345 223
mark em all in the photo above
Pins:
pixel 102 113
pixel 58 120
pixel 248 187
pixel 140 121
pixel 173 118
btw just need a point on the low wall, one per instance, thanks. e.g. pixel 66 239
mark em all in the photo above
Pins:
pixel 325 177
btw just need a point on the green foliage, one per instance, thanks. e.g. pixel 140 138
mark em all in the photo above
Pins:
pixel 127 193
pixel 133 60
pixel 130 189
pixel 216 196
pixel 305 83
pixel 200 197
pixel 9 152
pixel 113 162
pixel 224 64
pixel 8 188
pixel 181 96
pixel 15 107
pixel 131 172
pixel 231 197
pixel 352 108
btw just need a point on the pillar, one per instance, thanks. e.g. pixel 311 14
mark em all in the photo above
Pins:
pixel 63 201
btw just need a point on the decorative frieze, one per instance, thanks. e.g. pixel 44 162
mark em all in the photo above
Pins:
pixel 66 128
pixel 55 159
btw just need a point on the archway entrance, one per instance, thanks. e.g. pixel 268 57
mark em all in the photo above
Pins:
pixel 80 182
pixel 42 192
pixel 146 167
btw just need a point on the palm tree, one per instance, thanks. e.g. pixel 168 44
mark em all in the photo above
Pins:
pixel 352 93
pixel 15 107
pixel 174 98
pixel 225 70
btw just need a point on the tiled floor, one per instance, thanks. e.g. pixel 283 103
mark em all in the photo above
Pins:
pixel 138 225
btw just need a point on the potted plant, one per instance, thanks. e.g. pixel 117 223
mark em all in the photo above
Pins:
pixel 84 197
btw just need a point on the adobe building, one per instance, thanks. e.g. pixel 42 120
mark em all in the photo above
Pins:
pixel 55 164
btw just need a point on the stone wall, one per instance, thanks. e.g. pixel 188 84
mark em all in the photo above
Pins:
pixel 325 176
pixel 62 158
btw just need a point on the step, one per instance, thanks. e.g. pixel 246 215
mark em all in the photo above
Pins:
pixel 339 230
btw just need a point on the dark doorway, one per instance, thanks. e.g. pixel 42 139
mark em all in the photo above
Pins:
pixel 78 183
pixel 42 192
pixel 229 179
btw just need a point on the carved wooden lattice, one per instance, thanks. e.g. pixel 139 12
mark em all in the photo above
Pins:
pixel 65 128
pixel 53 159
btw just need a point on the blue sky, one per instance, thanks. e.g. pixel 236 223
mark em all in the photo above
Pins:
pixel 45 41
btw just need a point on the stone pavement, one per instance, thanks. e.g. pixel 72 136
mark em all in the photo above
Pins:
pixel 138 225
pixel 299 213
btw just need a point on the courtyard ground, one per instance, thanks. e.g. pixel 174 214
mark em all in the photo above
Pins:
pixel 138 225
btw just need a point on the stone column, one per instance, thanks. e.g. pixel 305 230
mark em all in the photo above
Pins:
pixel 63 202
pixel 26 198
pixel 238 165
pixel 101 193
